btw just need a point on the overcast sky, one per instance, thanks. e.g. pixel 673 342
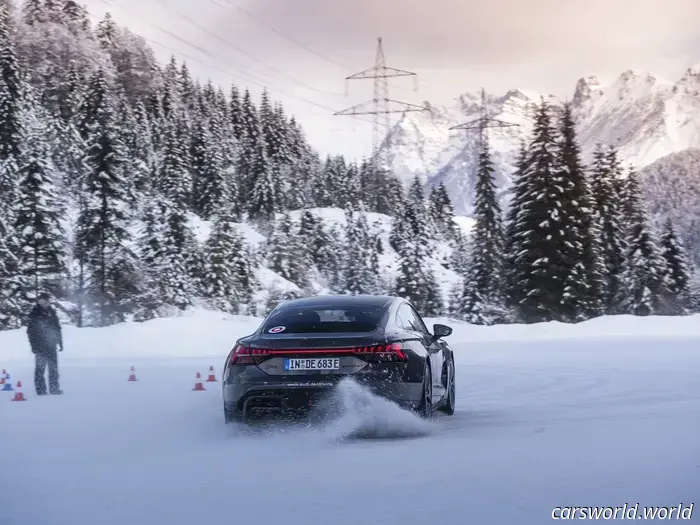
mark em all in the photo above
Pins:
pixel 303 49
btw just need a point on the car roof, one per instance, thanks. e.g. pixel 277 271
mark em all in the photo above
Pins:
pixel 338 301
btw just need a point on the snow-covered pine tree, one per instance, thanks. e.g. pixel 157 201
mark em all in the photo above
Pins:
pixel 174 186
pixel 454 299
pixel 416 281
pixel 286 255
pixel 694 291
pixel 104 219
pixel 11 132
pixel 330 255
pixel 307 226
pixel 606 201
pixel 268 124
pixel 311 234
pixel 12 287
pixel 582 280
pixel 174 178
pixel 194 262
pixel 53 11
pixel 134 154
pixel 211 190
pixel 353 192
pixel 150 251
pixel 249 141
pixel 360 271
pixel 334 171
pixel 643 285
pixel 263 200
pixel 176 286
pixel 390 196
pixel 217 277
pixel 37 220
pixel 70 97
pixel 483 297
pixel 12 10
pixel 517 199
pixel 303 169
pixel 200 137
pixel 442 212
pixel 76 16
pixel 320 244
pixel 186 87
pixel 106 31
pixel 33 12
pixel 235 113
pixel 367 184
pixel 630 198
pixel 245 280
pixel 677 272
pixel 461 257
pixel 539 236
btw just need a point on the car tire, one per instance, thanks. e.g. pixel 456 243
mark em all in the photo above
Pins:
pixel 233 416
pixel 450 401
pixel 425 409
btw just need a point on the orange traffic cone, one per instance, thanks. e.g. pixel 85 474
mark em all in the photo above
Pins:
pixel 132 376
pixel 19 396
pixel 212 376
pixel 198 382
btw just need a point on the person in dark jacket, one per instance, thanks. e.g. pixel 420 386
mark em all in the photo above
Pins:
pixel 45 339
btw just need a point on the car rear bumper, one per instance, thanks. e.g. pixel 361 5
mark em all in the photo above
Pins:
pixel 289 395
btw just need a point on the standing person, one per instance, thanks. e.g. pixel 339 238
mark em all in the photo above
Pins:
pixel 45 338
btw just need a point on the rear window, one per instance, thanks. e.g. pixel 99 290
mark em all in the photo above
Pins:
pixel 319 319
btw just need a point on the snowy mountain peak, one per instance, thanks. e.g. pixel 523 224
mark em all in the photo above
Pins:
pixel 640 81
pixel 693 71
pixel 690 80
pixel 586 88
pixel 645 116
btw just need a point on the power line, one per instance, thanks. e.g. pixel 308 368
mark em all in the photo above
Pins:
pixel 242 51
pixel 283 35
pixel 209 54
pixel 290 38
pixel 235 76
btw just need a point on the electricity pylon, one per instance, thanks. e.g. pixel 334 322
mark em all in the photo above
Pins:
pixel 381 105
pixel 484 122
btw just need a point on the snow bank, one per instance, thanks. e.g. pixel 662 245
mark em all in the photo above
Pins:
pixel 202 333
pixel 626 327
pixel 194 334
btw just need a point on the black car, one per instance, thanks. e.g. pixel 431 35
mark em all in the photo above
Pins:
pixel 304 347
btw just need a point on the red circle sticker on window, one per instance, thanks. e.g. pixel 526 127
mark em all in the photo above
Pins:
pixel 276 329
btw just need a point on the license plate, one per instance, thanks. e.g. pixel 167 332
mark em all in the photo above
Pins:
pixel 313 363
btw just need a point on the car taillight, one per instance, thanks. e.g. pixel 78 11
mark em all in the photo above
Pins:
pixel 244 355
pixel 385 352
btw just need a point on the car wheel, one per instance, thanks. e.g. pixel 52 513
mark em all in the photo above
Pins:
pixel 233 416
pixel 450 402
pixel 426 405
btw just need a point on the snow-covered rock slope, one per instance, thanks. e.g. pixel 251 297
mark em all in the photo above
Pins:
pixel 646 117
pixel 672 190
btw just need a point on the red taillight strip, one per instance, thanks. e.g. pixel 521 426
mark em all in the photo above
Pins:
pixel 277 351
pixel 247 352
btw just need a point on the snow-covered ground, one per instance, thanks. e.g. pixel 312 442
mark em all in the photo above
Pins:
pixel 602 413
